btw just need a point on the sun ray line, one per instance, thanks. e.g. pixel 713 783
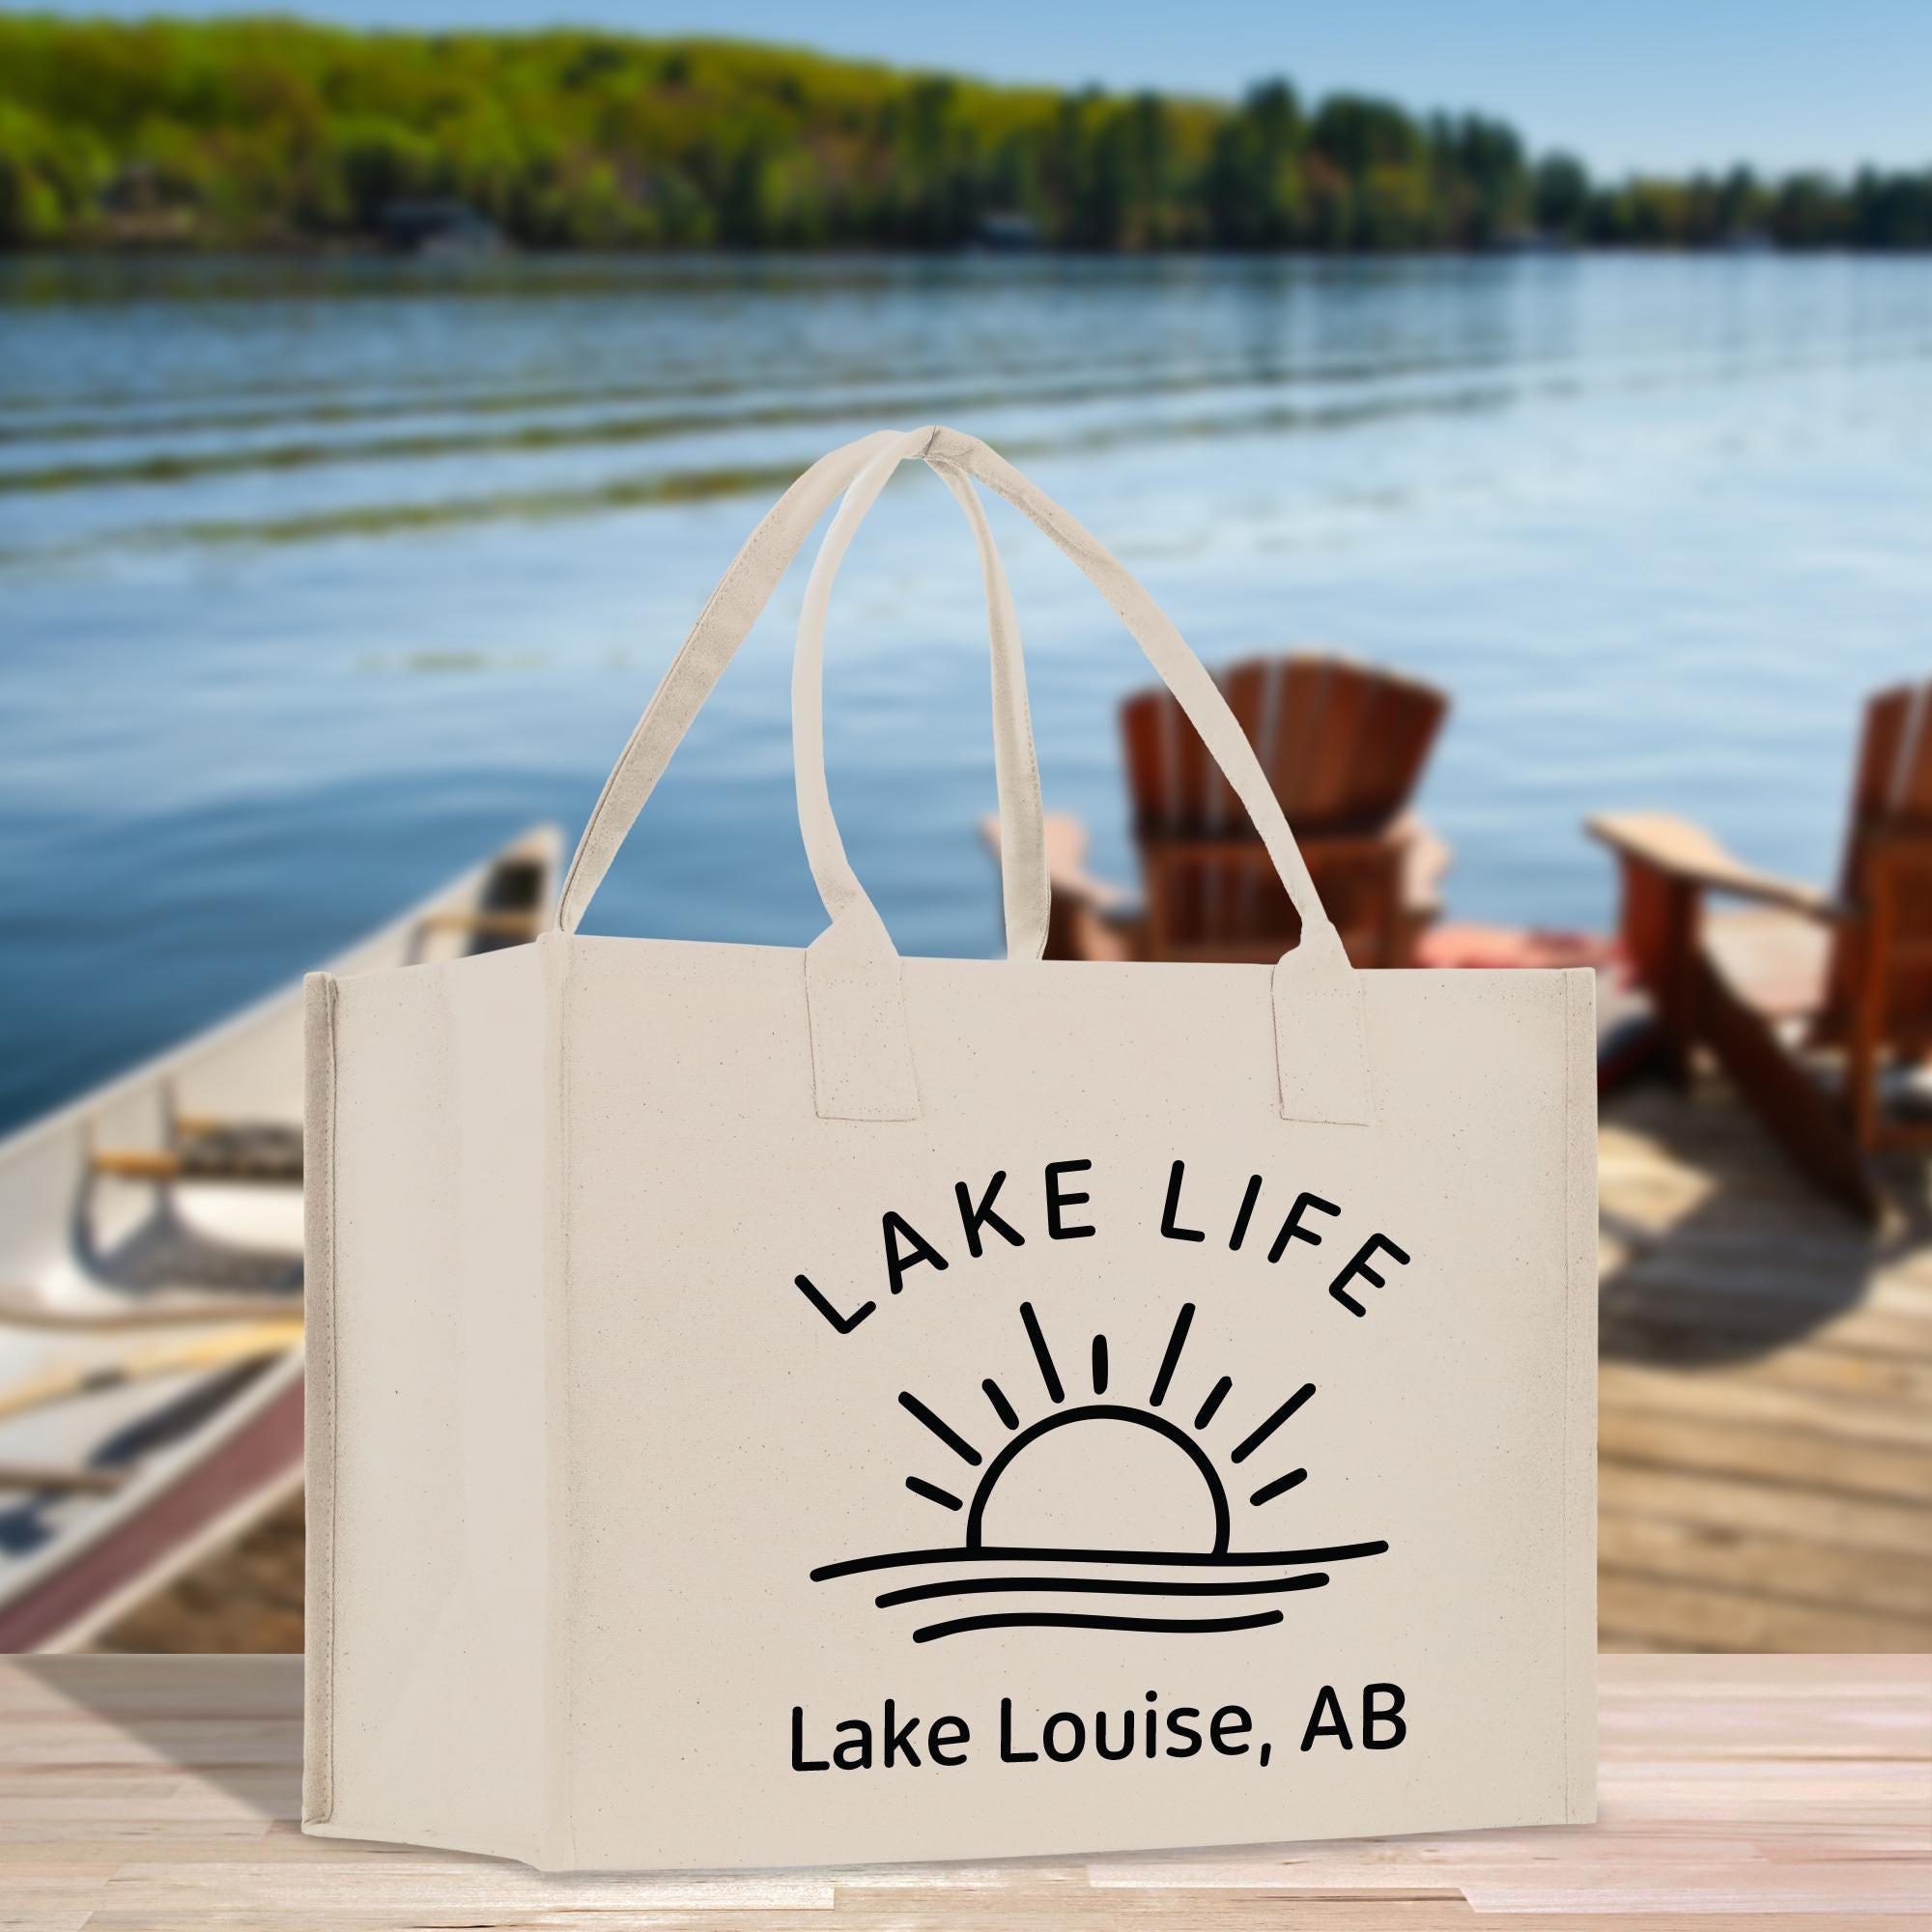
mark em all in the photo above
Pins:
pixel 1273 1423
pixel 1048 1373
pixel 933 1493
pixel 1002 1407
pixel 1216 1396
pixel 1268 1491
pixel 942 1429
pixel 1173 1356
pixel 1099 1365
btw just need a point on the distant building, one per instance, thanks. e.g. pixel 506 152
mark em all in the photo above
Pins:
pixel 1007 231
pixel 140 209
pixel 432 226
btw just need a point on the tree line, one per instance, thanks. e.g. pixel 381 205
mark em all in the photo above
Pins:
pixel 269 133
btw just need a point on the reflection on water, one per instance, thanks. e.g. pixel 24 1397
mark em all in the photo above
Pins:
pixel 318 578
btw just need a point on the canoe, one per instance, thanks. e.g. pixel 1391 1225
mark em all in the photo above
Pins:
pixel 150 1362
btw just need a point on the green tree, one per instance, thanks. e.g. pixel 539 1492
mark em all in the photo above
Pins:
pixel 1253 188
pixel 1561 197
pixel 253 131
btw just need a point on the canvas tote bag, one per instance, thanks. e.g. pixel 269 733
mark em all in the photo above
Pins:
pixel 775 1407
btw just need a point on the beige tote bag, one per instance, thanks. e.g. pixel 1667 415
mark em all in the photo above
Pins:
pixel 781 1408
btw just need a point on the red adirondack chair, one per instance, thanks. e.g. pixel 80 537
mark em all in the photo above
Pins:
pixel 1811 1003
pixel 1343 746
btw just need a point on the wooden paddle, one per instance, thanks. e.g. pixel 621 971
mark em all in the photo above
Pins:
pixel 204 1351
pixel 24 1309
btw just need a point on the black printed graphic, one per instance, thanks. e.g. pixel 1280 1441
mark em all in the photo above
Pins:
pixel 1192 1585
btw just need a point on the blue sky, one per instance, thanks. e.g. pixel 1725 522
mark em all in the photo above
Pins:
pixel 1639 84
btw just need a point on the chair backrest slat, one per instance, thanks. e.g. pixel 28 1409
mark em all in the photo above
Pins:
pixel 1912 771
pixel 1326 779
pixel 1891 800
pixel 1400 736
pixel 1302 705
pixel 1875 778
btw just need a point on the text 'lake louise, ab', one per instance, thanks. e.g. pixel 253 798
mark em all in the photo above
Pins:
pixel 903 1739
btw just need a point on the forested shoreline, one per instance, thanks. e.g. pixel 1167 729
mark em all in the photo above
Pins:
pixel 280 134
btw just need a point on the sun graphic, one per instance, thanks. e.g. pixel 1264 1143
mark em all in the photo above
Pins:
pixel 1155 1472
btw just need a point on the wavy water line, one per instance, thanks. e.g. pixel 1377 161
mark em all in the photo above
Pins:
pixel 1043 385
pixel 1075 1620
pixel 653 489
pixel 1101 1586
pixel 419 445
pixel 1230 1559
pixel 117 414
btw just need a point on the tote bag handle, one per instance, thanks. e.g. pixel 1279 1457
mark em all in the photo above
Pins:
pixel 735 607
pixel 862 1061
pixel 862 1057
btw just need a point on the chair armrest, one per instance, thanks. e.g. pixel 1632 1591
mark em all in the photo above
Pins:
pixel 1688 855
pixel 1089 918
pixel 1066 872
pixel 1426 860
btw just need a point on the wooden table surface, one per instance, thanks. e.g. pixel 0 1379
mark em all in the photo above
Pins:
pixel 161 1791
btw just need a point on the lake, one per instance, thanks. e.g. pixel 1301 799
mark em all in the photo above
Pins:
pixel 319 580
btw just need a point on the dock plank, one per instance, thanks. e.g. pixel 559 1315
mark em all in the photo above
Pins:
pixel 1765 1431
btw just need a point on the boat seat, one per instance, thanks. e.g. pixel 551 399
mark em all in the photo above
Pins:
pixel 260 1152
pixel 509 925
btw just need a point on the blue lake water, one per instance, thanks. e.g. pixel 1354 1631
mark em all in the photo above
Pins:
pixel 319 580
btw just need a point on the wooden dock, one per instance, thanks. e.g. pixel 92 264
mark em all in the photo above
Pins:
pixel 1766 1433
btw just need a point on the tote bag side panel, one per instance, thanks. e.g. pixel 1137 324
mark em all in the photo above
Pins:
pixel 426 1435
pixel 1579 1451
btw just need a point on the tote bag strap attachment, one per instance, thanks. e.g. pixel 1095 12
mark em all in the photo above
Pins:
pixel 862 1057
